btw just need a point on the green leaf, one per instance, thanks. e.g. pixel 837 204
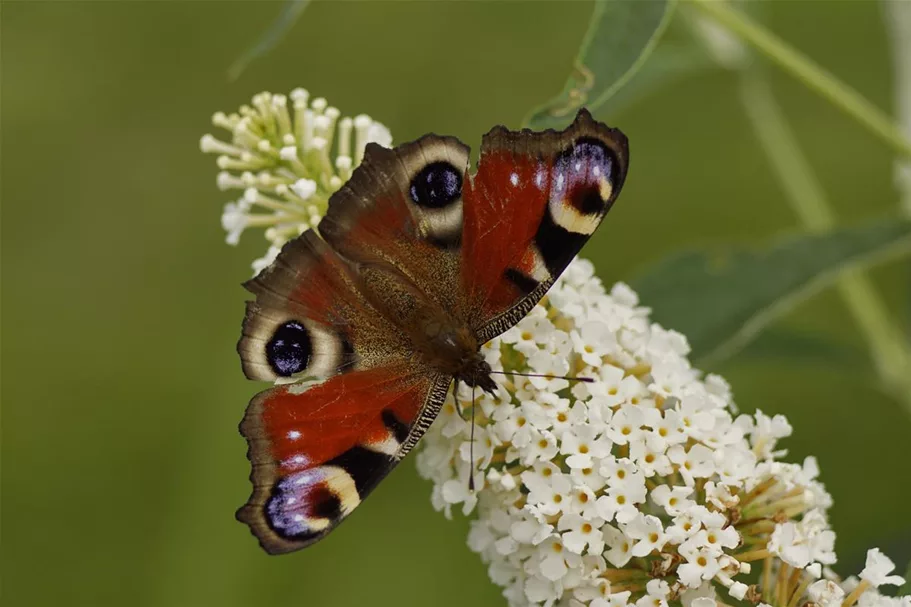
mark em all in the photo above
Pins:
pixel 905 590
pixel 620 37
pixel 722 299
pixel 669 63
pixel 792 346
pixel 290 13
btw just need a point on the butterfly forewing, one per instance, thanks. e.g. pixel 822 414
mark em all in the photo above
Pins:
pixel 401 213
pixel 534 202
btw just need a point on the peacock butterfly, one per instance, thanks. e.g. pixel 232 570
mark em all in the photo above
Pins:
pixel 417 264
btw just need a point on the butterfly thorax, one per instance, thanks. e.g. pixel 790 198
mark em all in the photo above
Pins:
pixel 438 336
pixel 453 349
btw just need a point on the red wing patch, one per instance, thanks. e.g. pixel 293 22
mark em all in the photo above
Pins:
pixel 503 209
pixel 535 200
pixel 317 452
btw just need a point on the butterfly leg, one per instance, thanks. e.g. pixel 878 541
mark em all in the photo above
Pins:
pixel 455 399
pixel 471 444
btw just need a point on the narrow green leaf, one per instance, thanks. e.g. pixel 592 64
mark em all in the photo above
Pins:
pixel 620 37
pixel 721 299
pixel 290 13
pixel 669 63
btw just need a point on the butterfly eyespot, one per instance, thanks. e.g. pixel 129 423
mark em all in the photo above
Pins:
pixel 289 350
pixel 436 185
pixel 326 504
pixel 589 167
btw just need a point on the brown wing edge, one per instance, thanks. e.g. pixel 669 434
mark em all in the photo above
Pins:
pixel 504 321
pixel 554 141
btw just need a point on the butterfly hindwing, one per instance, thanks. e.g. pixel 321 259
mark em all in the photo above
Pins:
pixel 535 200
pixel 317 452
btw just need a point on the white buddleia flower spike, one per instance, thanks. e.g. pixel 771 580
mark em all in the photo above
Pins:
pixel 285 155
pixel 644 487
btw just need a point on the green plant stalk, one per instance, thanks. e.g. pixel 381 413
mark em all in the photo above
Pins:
pixel 897 17
pixel 884 339
pixel 809 73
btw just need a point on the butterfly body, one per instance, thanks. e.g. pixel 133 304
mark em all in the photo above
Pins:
pixel 454 350
pixel 417 264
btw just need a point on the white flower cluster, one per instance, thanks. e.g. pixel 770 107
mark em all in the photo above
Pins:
pixel 641 487
pixel 287 154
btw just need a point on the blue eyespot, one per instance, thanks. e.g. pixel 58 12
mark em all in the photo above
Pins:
pixel 436 185
pixel 289 350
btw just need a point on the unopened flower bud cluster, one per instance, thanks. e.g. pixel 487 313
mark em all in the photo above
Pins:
pixel 644 487
pixel 287 155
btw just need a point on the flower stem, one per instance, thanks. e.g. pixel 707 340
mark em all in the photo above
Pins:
pixel 791 587
pixel 760 526
pixel 753 555
pixel 260 221
pixel 855 594
pixel 884 339
pixel 620 575
pixel 767 579
pixel 799 592
pixel 807 71
pixel 757 491
pixel 781 584
pixel 897 16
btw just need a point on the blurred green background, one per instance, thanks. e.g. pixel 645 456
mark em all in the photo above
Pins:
pixel 121 388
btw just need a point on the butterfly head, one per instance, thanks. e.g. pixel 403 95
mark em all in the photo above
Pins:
pixel 478 374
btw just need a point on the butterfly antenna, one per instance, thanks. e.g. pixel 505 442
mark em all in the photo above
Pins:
pixel 588 380
pixel 471 445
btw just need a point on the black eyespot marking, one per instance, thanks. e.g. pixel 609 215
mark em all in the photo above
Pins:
pixel 436 185
pixel 392 423
pixel 326 504
pixel 526 283
pixel 587 199
pixel 557 245
pixel 366 467
pixel 289 350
